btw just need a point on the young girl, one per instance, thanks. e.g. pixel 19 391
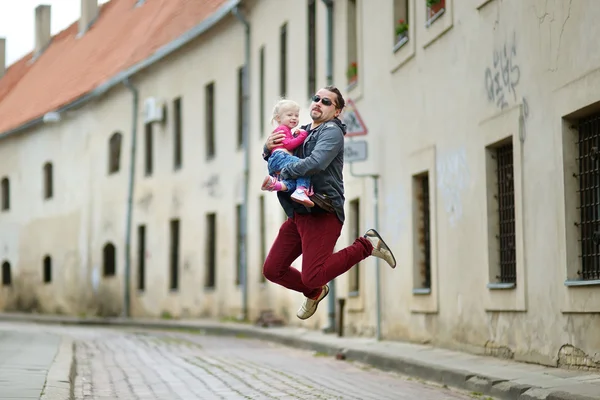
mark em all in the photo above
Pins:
pixel 286 114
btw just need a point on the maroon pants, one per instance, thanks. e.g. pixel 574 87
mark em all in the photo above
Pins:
pixel 314 236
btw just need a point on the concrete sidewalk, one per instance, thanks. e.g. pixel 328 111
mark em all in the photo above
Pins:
pixel 26 359
pixel 502 379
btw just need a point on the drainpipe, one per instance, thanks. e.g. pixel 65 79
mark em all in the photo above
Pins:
pixel 245 136
pixel 329 71
pixel 134 117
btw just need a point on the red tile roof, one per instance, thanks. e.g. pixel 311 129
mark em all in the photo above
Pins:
pixel 122 36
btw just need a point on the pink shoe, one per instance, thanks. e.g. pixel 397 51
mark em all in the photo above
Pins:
pixel 300 196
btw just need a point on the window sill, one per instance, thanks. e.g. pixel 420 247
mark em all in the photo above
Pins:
pixel 400 43
pixel 435 17
pixel 574 283
pixel 421 291
pixel 501 286
pixel 354 293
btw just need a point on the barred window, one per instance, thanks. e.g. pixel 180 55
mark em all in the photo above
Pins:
pixel 589 197
pixel 506 214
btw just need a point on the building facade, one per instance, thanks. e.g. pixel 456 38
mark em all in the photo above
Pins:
pixel 481 121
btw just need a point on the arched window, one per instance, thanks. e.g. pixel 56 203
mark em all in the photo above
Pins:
pixel 47 269
pixel 109 260
pixel 6 275
pixel 48 189
pixel 5 194
pixel 114 152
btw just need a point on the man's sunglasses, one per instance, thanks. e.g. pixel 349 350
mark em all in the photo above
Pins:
pixel 324 100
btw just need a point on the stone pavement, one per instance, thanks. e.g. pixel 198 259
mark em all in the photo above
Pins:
pixel 25 359
pixel 136 363
pixel 503 379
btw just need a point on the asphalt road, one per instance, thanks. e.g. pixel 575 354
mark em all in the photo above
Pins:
pixel 140 364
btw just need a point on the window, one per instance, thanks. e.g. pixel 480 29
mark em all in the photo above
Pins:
pixel 148 149
pixel 5 194
pixel 238 244
pixel 263 235
pixel 501 189
pixel 283 61
pixel 109 260
pixel 47 272
pixel 240 107
pixel 6 275
pixel 174 255
pixel 141 257
pixel 354 225
pixel 261 91
pixel 177 134
pixel 211 250
pixel 589 181
pixel 312 47
pixel 210 120
pixel 114 152
pixel 422 232
pixel 401 22
pixel 48 192
pixel 352 35
pixel 435 9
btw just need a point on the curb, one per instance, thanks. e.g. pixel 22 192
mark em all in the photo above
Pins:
pixel 59 380
pixel 460 379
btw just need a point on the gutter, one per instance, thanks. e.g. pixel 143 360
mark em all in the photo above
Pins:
pixel 331 327
pixel 121 77
pixel 243 261
pixel 127 272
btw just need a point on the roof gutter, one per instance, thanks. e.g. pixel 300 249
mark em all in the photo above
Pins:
pixel 121 77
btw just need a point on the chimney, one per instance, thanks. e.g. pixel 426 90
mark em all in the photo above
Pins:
pixel 42 28
pixel 2 57
pixel 89 13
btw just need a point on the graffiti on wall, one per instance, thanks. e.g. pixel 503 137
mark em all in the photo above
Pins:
pixel 504 74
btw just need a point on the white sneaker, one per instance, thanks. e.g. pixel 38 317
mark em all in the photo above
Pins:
pixel 309 306
pixel 380 249
pixel 300 196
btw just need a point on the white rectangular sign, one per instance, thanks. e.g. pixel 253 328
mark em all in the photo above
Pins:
pixel 355 150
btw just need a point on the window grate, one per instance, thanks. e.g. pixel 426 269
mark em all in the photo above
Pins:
pixel 506 214
pixel 426 231
pixel 589 197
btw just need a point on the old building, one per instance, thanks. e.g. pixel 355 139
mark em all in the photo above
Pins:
pixel 481 121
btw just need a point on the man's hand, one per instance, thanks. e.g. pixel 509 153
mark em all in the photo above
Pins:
pixel 274 139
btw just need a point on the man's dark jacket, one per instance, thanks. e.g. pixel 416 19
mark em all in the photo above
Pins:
pixel 322 155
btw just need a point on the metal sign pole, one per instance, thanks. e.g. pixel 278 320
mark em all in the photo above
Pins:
pixel 357 151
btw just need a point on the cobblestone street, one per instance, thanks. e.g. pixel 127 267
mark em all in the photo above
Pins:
pixel 138 364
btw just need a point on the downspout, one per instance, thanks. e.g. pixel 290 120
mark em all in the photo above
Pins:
pixel 134 116
pixel 243 262
pixel 329 71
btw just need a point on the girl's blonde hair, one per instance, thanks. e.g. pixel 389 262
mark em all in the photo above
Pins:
pixel 283 105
